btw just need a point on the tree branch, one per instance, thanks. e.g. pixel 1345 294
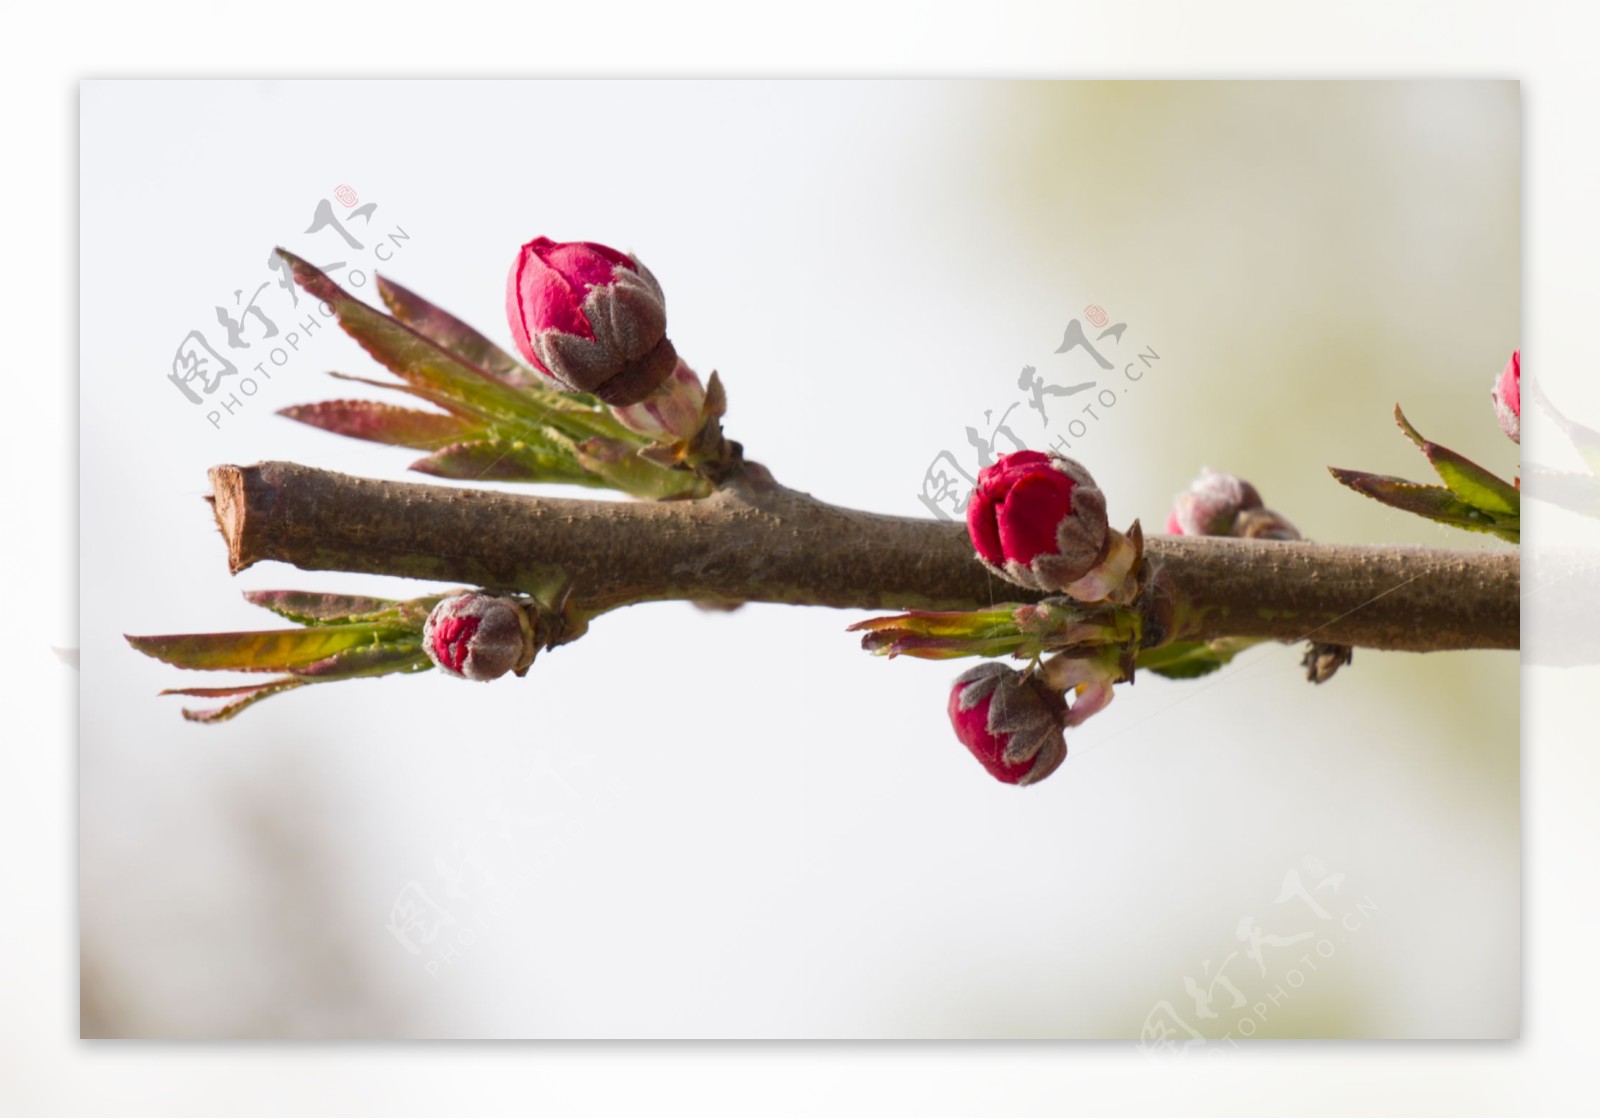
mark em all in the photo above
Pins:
pixel 757 541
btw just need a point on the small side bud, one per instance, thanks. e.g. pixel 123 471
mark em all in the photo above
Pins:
pixel 1217 504
pixel 479 636
pixel 1011 722
pixel 1211 505
pixel 674 413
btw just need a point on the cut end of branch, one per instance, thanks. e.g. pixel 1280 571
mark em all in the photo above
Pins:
pixel 229 504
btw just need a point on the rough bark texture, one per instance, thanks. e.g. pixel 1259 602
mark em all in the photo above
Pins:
pixel 756 541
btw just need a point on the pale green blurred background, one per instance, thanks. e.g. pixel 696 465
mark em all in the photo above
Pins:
pixel 724 826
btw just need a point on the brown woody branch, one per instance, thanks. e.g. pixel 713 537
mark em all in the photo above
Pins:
pixel 757 541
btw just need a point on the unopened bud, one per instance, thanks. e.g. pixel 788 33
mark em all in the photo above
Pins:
pixel 592 318
pixel 1217 504
pixel 674 413
pixel 1038 520
pixel 479 636
pixel 1507 397
pixel 1011 722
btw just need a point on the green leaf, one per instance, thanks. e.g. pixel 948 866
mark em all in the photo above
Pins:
pixel 384 423
pixel 223 690
pixel 622 467
pixel 1433 502
pixel 500 460
pixel 311 608
pixel 1186 660
pixel 943 634
pixel 260 651
pixel 946 623
pixel 1466 479
pixel 227 711
pixel 1021 630
pixel 452 334
pixel 370 660
pixel 446 379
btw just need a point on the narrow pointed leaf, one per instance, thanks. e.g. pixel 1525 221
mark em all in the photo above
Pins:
pixel 229 710
pixel 385 423
pixel 1466 479
pixel 408 354
pixel 945 623
pixel 452 334
pixel 944 634
pixel 258 651
pixel 894 644
pixel 442 376
pixel 371 660
pixel 620 466
pixel 223 691
pixel 311 608
pixel 1434 502
pixel 500 460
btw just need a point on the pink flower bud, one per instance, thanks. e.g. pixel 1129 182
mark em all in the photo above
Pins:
pixel 1222 505
pixel 479 636
pixel 1507 397
pixel 591 318
pixel 1038 520
pixel 1211 505
pixel 674 413
pixel 1011 722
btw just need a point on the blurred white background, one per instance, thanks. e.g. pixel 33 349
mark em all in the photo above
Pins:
pixel 691 825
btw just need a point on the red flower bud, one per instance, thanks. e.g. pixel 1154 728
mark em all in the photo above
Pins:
pixel 479 636
pixel 591 318
pixel 1011 722
pixel 1507 397
pixel 1038 520
pixel 674 413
